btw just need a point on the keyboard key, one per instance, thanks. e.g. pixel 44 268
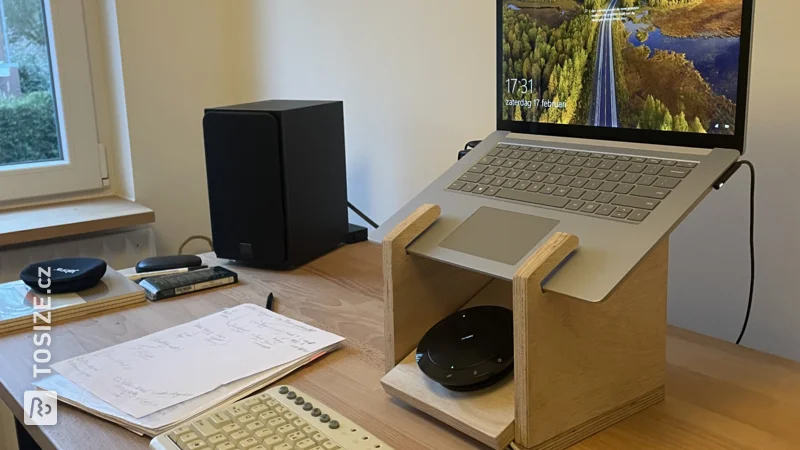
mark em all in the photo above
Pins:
pixel 638 160
pixel 608 186
pixel 615 176
pixel 498 182
pixel 546 168
pixel 535 187
pixel 623 166
pixel 668 162
pixel 538 177
pixel 513 147
pixel 456 186
pixel 647 180
pixel 624 158
pixel 552 159
pixel 601 174
pixel 476 169
pixel 221 419
pixel 485 180
pixel 494 152
pixel 486 160
pixel 467 177
pixel 510 184
pixel 225 446
pixel 561 192
pixel 217 439
pixel 652 170
pixel 674 172
pixel 635 202
pixel 570 153
pixel 566 159
pixel 509 163
pixel 273 441
pixel 590 196
pixel 638 216
pixel 559 169
pixel 578 182
pixel 623 189
pixel 533 167
pixel 504 153
pixel 516 154
pixel 604 210
pixel 586 173
pixel 499 162
pixel 514 173
pixel 572 171
pixel 491 191
pixel 539 157
pixel 263 433
pixel 595 155
pixel 666 182
pixel 590 207
pixel 248 443
pixel 610 157
pixel 619 213
pixel 548 189
pixel 565 181
pixel 606 165
pixel 650 192
pixel 283 446
pixel 490 171
pixel 502 172
pixel 579 161
pixel 653 161
pixel 593 185
pixel 559 152
pixel 552 179
pixel 526 176
pixel 521 165
pixel 575 205
pixel 522 185
pixel 468 187
pixel 631 178
pixel 689 165
pixel 583 154
pixel 605 197
pixel 236 410
pixel 576 193
pixel 237 436
pixel 527 156
pixel 636 167
pixel 592 163
pixel 530 197
pixel 480 189
pixel 305 444
pixel 177 432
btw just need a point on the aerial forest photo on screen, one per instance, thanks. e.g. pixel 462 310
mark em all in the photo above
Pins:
pixel 668 65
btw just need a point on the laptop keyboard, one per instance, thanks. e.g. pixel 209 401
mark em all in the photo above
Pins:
pixel 609 186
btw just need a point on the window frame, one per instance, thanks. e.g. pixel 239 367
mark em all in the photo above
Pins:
pixel 80 169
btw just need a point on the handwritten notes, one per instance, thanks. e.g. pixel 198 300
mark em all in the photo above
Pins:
pixel 149 374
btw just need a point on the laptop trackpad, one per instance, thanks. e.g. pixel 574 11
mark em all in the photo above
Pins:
pixel 499 235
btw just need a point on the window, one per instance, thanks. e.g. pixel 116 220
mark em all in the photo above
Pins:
pixel 48 131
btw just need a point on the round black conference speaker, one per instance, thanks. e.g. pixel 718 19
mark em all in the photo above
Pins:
pixel 469 350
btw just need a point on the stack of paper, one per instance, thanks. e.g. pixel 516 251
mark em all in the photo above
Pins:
pixel 150 384
pixel 21 307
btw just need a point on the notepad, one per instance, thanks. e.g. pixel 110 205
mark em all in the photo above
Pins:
pixel 159 371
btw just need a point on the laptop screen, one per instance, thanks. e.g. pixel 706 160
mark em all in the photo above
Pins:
pixel 652 71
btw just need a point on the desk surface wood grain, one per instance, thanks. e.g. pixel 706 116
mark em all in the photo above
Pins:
pixel 719 396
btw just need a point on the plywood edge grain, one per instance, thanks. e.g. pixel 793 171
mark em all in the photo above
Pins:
pixel 42 222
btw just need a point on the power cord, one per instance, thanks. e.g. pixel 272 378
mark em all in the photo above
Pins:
pixel 194 238
pixel 362 215
pixel 718 185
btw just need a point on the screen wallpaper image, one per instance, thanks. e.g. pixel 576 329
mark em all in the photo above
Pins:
pixel 669 65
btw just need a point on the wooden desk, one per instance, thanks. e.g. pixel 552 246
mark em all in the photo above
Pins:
pixel 719 396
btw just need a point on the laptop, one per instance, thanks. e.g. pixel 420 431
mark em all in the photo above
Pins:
pixel 614 120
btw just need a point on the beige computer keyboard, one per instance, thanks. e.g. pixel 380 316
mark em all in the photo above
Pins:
pixel 281 418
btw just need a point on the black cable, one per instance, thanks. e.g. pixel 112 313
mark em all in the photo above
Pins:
pixel 362 215
pixel 752 246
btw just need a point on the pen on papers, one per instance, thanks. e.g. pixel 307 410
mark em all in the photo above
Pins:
pixel 270 301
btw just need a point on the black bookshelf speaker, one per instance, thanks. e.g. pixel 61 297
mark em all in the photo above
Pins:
pixel 277 182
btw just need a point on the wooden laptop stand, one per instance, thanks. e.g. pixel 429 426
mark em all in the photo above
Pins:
pixel 579 366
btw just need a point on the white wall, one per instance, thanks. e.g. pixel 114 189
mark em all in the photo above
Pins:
pixel 417 78
pixel 165 62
